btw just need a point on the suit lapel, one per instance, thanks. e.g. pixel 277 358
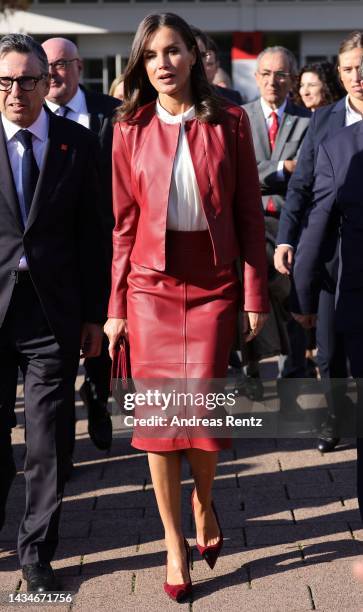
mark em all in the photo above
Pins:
pixel 95 117
pixel 54 159
pixel 261 130
pixel 337 117
pixel 7 184
pixel 200 146
pixel 287 123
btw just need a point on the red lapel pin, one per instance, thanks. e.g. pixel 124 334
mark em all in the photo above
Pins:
pixel 64 147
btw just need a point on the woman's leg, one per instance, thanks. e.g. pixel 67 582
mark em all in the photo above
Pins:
pixel 203 464
pixel 166 476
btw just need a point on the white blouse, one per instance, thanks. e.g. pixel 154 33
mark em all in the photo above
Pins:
pixel 185 209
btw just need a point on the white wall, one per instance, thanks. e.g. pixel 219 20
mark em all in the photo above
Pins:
pixel 103 45
pixel 227 16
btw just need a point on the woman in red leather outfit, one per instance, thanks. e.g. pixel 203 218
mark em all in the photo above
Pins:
pixel 186 205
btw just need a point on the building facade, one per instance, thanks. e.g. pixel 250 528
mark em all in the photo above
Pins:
pixel 104 29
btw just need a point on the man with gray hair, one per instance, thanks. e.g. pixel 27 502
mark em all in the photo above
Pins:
pixel 53 296
pixel 278 129
pixel 93 110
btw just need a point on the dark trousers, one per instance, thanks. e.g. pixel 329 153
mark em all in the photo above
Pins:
pixel 26 341
pixel 98 371
pixel 332 362
pixel 331 357
pixel 353 345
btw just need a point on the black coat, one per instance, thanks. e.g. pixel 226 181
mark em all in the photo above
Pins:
pixel 337 206
pixel 62 239
pixel 101 109
pixel 324 123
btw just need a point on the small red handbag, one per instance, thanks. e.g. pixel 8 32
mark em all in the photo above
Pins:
pixel 121 367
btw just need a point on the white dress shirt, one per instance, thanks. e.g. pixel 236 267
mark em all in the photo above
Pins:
pixel 267 110
pixel 77 108
pixel 351 115
pixel 185 209
pixel 39 130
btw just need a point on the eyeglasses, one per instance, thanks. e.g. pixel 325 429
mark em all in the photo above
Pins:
pixel 62 64
pixel 279 75
pixel 26 83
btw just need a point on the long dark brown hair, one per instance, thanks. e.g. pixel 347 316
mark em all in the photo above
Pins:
pixel 137 87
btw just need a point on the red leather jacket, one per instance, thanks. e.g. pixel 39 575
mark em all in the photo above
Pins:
pixel 224 163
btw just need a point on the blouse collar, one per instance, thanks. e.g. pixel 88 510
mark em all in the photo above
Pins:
pixel 168 118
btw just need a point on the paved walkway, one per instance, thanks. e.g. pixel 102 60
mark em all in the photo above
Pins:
pixel 289 517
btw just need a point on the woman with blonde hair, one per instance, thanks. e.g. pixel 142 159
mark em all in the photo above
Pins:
pixel 117 87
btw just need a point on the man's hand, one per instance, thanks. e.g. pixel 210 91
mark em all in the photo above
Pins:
pixel 290 165
pixel 114 329
pixel 306 321
pixel 91 339
pixel 253 322
pixel 283 258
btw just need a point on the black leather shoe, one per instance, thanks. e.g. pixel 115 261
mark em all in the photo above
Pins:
pixel 40 577
pixel 254 388
pixel 99 420
pixel 5 483
pixel 327 445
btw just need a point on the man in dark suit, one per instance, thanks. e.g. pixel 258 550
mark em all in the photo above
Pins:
pixel 324 124
pixel 93 110
pixel 337 200
pixel 278 129
pixel 53 294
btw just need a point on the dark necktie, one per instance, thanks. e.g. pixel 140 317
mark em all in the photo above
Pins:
pixel 272 135
pixel 29 173
pixel 63 111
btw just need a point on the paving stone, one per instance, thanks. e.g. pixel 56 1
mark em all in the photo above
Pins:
pixel 229 481
pixel 8 581
pixel 323 510
pixel 280 534
pixel 254 515
pixel 115 523
pixel 246 466
pixel 264 496
pixel 312 458
pixel 118 497
pixel 330 592
pixel 68 557
pixel 75 525
pixel 276 595
pixel 321 491
pixel 112 552
pixel 103 555
pixel 344 475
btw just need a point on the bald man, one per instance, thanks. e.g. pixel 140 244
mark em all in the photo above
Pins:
pixel 93 110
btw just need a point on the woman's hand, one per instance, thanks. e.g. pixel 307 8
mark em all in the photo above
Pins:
pixel 253 322
pixel 114 329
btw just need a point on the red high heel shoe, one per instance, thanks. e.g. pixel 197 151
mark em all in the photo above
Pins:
pixel 179 592
pixel 210 553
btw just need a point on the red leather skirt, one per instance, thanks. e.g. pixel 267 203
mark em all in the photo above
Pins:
pixel 182 324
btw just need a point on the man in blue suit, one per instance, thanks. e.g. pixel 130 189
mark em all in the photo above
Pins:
pixel 337 199
pixel 324 123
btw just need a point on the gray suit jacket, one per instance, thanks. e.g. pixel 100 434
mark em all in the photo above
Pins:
pixel 294 124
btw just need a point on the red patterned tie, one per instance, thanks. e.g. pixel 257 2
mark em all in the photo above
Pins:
pixel 272 134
